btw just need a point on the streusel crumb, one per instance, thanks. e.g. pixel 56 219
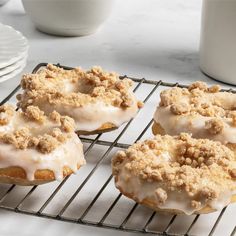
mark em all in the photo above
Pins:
pixel 179 108
pixel 233 173
pixel 55 116
pixel 198 85
pixel 35 114
pixel 161 195
pixel 214 89
pixel 214 126
pixel 195 204
pixel 67 124
pixel 59 135
pixel 232 115
pixel 6 112
pixel 19 138
pixel 47 143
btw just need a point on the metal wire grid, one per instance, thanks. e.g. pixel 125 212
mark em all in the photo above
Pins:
pixel 111 145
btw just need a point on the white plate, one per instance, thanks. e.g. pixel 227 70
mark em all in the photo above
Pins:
pixel 13 46
pixel 13 73
pixel 13 66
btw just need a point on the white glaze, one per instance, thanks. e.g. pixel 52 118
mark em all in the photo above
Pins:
pixel 174 125
pixel 93 116
pixel 17 121
pixel 68 154
pixel 175 200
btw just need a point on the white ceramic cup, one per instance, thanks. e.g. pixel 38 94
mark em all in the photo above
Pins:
pixel 68 17
pixel 218 40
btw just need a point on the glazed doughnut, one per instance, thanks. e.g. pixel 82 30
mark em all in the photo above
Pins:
pixel 203 111
pixel 177 174
pixel 36 149
pixel 98 101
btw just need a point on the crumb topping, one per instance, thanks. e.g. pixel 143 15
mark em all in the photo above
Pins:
pixel 199 167
pixel 22 136
pixel 35 114
pixel 214 126
pixel 55 116
pixel 47 143
pixel 180 108
pixel 232 115
pixel 67 124
pixel 200 99
pixel 6 112
pixel 51 85
pixel 161 195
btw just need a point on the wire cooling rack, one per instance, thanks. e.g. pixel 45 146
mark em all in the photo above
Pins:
pixel 90 198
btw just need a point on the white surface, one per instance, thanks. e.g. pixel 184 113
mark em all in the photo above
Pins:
pixel 12 67
pixel 68 18
pixel 155 39
pixel 218 37
pixel 13 45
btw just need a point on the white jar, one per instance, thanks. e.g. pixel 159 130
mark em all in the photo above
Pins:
pixel 218 40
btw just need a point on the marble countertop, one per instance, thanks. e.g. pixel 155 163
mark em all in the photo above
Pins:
pixel 154 39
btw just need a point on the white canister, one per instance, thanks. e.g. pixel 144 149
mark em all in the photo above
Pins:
pixel 218 40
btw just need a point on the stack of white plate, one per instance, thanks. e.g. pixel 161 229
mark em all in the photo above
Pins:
pixel 13 52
